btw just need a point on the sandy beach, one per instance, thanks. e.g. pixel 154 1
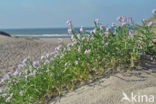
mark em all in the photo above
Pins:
pixel 14 50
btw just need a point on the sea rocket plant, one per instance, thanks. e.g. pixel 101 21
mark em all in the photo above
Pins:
pixel 131 34
pixel 69 22
pixel 130 19
pixel 82 29
pixel 101 27
pixel 150 24
pixel 94 31
pixel 97 21
pixel 70 31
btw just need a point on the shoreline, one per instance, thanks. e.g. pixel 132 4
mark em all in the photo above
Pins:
pixel 43 37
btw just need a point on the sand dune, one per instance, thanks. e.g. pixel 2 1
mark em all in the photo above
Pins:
pixel 110 90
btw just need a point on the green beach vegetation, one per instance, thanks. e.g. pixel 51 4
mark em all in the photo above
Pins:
pixel 89 56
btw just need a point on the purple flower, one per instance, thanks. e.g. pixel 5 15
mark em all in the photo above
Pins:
pixel 52 53
pixel 79 36
pixel 47 55
pixel 106 33
pixel 51 59
pixel 130 19
pixel 97 21
pixel 58 48
pixel 83 38
pixel 43 57
pixel 47 71
pixel 22 93
pixel 124 19
pixel 69 44
pixel 33 73
pixel 101 27
pixel 66 64
pixel 0 91
pixel 47 61
pixel 20 66
pixel 5 78
pixel 106 44
pixel 9 98
pixel 91 31
pixel 70 31
pixel 76 62
pixel 87 51
pixel 15 73
pixel 92 38
pixel 72 38
pixel 107 29
pixel 154 11
pixel 26 71
pixel 36 63
pixel 25 60
pixel 131 34
pixel 62 55
pixel 26 76
pixel 143 20
pixel 69 22
pixel 94 31
pixel 73 43
pixel 79 49
pixel 150 24
pixel 123 23
pixel 82 29
pixel 119 18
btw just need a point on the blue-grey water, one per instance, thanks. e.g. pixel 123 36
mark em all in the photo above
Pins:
pixel 41 32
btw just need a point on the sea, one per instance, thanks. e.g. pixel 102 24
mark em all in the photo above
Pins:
pixel 41 32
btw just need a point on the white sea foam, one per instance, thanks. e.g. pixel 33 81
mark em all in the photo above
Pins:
pixel 42 35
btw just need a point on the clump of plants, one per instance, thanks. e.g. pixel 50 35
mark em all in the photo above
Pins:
pixel 90 55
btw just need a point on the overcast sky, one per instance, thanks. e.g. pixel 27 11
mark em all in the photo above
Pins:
pixel 54 13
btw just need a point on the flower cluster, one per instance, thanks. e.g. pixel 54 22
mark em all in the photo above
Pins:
pixel 124 20
pixel 154 11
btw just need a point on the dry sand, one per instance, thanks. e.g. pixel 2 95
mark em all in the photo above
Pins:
pixel 104 91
